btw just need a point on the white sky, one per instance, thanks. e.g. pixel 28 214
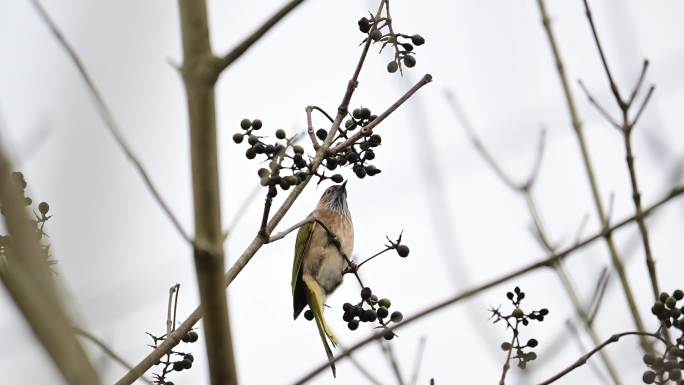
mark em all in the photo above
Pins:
pixel 119 254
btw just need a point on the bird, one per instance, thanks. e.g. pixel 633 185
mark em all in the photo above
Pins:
pixel 319 264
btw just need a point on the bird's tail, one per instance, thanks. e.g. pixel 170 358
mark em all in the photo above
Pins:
pixel 316 305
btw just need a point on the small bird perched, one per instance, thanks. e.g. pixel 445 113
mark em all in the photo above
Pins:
pixel 318 264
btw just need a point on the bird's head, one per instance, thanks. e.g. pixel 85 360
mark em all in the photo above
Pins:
pixel 335 198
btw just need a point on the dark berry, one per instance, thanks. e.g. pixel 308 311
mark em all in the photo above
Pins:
pixel 238 137
pixel 392 67
pixel 178 366
pixel 256 124
pixel 396 316
pixel 678 294
pixel 382 312
pixel 359 171
pixel 353 325
pixel 331 163
pixel 187 364
pixel 364 25
pixel 43 207
pixel 347 306
pixel 272 192
pixel 189 356
pixel 409 61
pixel 403 251
pixel 321 134
pixel 544 311
pixel 280 133
pixel 375 140
pixel 370 315
pixel 365 113
pixel 347 316
pixel 252 140
pixel 366 293
pixel 260 148
pixel 245 124
pixel 193 336
pixel 506 346
pixel 352 157
pixel 663 297
pixel 408 47
pixel 350 124
pixel 375 35
pixel 356 113
pixel 309 315
pixel 337 178
pixel 417 40
pixel 388 335
pixel 532 343
pixel 355 311
pixel 369 155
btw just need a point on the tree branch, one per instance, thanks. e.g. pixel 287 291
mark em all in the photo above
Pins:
pixel 544 262
pixel 31 285
pixel 589 170
pixel 228 59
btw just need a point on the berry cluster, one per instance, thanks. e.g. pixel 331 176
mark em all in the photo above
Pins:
pixel 174 361
pixel 40 218
pixel 277 155
pixel 360 153
pixel 667 368
pixel 403 44
pixel 513 321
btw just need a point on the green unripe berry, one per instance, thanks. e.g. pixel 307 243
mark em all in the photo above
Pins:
pixel 506 346
pixel 256 124
pixel 245 124
pixel 385 302
pixel 237 138
pixel 392 67
pixel 671 302
pixel 280 133
pixel 388 335
pixel 649 358
pixel 298 149
pixel 356 113
pixel 263 172
pixel 252 140
pixel 518 313
pixel 292 180
pixel 250 153
pixel 350 124
pixel 265 180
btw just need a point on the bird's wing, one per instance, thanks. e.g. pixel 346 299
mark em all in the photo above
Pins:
pixel 302 244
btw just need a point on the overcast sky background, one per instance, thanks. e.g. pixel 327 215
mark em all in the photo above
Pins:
pixel 118 253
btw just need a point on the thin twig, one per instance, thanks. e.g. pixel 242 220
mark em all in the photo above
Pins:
pixel 544 262
pixel 585 357
pixel 589 170
pixel 626 127
pixel 108 118
pixel 228 59
pixel 525 190
pixel 368 128
pixel 392 359
pixel 108 351
pixel 420 352
pixel 507 363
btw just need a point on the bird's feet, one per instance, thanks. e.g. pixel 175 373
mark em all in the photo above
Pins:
pixel 352 268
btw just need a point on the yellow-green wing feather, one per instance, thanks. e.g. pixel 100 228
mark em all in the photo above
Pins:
pixel 303 238
pixel 323 329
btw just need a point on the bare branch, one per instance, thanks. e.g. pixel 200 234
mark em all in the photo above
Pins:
pixel 108 351
pixel 598 106
pixel 585 357
pixel 544 262
pixel 228 59
pixel 419 359
pixel 369 128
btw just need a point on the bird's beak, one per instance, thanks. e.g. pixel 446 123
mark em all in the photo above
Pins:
pixel 343 187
